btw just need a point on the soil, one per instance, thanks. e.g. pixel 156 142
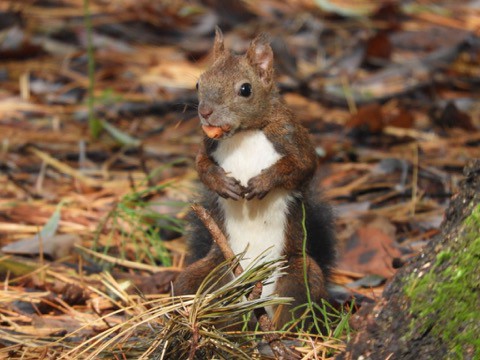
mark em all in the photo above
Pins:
pixel 391 328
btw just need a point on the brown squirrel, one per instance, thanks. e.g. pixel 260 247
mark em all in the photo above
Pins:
pixel 257 164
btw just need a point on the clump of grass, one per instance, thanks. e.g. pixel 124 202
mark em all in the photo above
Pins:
pixel 185 327
pixel 327 320
pixel 210 327
pixel 331 323
pixel 134 223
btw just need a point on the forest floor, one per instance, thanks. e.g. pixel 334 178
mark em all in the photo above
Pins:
pixel 98 132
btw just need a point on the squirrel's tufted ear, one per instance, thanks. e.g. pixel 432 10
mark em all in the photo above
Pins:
pixel 218 47
pixel 260 55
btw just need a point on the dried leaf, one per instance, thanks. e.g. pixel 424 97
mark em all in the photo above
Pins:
pixel 122 137
pixel 56 246
pixel 368 120
pixel 370 250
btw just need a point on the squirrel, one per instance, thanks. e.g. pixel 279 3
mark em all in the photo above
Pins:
pixel 258 165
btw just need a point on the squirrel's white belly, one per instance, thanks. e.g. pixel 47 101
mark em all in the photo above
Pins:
pixel 257 226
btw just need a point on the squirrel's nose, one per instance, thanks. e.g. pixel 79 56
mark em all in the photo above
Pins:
pixel 205 111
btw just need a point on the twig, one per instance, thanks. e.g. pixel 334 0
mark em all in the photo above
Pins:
pixel 273 339
pixel 217 235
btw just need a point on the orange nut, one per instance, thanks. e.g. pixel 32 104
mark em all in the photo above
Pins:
pixel 213 132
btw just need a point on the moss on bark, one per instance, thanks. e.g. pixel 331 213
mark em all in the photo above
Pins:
pixel 446 298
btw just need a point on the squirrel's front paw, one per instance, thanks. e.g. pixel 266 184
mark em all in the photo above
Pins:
pixel 258 187
pixel 225 186
pixel 231 189
pixel 217 180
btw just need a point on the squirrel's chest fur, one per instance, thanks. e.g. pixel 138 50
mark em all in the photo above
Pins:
pixel 257 226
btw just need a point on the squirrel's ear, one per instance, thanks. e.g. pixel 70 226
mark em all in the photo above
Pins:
pixel 260 55
pixel 218 46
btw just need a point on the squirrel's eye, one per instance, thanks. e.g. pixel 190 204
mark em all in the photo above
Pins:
pixel 245 90
pixel 196 86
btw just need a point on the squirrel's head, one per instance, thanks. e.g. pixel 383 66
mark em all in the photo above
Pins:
pixel 235 93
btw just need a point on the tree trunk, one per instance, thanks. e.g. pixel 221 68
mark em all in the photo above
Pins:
pixel 431 309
